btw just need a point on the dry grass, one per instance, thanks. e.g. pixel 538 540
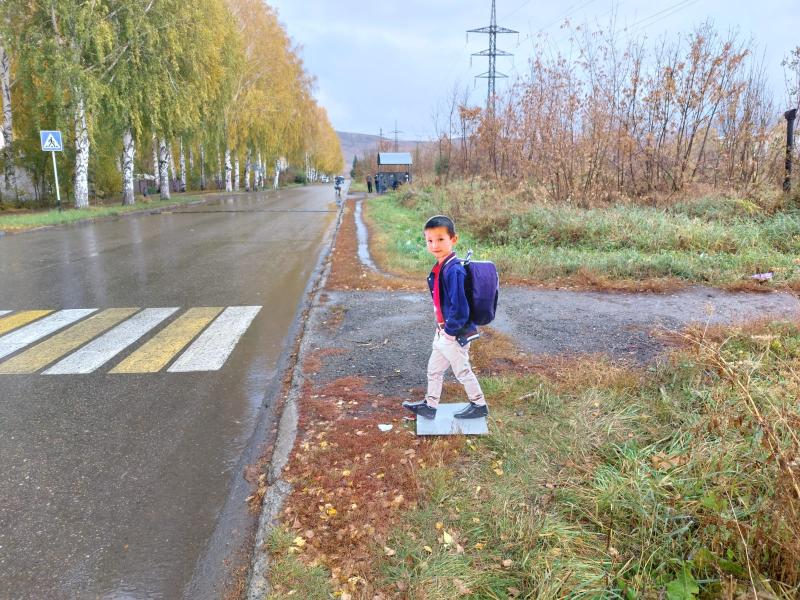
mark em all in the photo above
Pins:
pixel 711 241
pixel 602 481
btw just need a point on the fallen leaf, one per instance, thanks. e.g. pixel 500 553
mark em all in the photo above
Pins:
pixel 428 549
pixel 662 461
pixel 513 592
pixel 346 473
pixel 507 563
pixel 447 538
pixel 388 551
pixel 251 473
pixel 479 546
pixel 463 590
pixel 299 542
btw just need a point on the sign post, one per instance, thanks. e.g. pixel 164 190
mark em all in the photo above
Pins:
pixel 51 142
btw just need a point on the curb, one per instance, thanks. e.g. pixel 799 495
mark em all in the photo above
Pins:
pixel 278 489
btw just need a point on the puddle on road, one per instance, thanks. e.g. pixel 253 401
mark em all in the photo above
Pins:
pixel 363 239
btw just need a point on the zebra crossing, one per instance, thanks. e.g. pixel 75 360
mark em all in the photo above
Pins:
pixel 88 340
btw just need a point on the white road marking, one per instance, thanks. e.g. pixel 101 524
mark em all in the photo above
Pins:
pixel 18 339
pixel 210 351
pixel 98 352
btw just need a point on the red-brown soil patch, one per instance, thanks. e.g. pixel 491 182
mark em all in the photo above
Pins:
pixel 351 481
pixel 348 273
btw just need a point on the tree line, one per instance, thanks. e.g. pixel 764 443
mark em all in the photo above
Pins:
pixel 612 120
pixel 133 84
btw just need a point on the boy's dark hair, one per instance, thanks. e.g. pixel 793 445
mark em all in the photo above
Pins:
pixel 441 221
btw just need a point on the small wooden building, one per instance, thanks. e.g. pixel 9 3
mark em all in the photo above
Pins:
pixel 394 169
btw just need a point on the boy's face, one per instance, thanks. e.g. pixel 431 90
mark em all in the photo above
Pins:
pixel 439 242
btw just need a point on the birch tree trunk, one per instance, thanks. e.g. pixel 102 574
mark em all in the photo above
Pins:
pixel 163 168
pixel 277 174
pixel 228 184
pixel 183 168
pixel 81 154
pixel 247 167
pixel 128 150
pixel 10 176
pixel 171 161
pixel 236 174
pixel 260 172
pixel 202 168
pixel 156 176
pixel 191 158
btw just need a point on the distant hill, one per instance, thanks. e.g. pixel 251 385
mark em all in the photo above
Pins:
pixel 357 144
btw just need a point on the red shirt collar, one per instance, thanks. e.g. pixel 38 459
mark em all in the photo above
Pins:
pixel 438 266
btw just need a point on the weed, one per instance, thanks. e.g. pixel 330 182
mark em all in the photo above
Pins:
pixel 599 481
pixel 710 241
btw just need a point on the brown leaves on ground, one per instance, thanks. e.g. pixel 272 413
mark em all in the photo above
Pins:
pixel 351 481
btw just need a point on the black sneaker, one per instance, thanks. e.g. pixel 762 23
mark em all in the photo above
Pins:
pixel 421 409
pixel 473 411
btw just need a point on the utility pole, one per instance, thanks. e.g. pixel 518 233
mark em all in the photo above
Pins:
pixel 790 116
pixel 492 52
pixel 395 132
pixel 380 140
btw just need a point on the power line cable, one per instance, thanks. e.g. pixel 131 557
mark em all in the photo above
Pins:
pixel 661 15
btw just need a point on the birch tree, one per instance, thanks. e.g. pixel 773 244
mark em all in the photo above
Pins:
pixel 9 174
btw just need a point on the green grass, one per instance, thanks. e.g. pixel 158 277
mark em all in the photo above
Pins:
pixel 31 220
pixel 289 576
pixel 615 484
pixel 358 185
pixel 709 241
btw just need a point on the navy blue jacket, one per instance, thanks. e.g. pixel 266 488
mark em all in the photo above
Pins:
pixel 452 297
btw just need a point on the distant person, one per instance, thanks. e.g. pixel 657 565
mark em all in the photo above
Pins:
pixel 454 327
pixel 406 177
pixel 377 184
pixel 369 184
pixel 395 183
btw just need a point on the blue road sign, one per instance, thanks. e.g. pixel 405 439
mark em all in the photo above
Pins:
pixel 51 141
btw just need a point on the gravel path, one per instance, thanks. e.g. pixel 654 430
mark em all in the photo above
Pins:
pixel 387 335
pixel 621 324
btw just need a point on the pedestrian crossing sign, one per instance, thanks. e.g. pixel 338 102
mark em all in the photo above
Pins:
pixel 51 141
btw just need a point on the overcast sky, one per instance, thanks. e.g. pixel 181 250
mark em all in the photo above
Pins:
pixel 377 61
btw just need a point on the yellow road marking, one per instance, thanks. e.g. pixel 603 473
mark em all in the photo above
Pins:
pixel 21 318
pixel 44 353
pixel 157 352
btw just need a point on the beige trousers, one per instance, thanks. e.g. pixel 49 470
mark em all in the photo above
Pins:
pixel 448 353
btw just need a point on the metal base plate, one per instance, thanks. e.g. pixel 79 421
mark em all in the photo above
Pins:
pixel 446 424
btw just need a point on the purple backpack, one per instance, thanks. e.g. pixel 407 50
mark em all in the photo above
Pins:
pixel 482 288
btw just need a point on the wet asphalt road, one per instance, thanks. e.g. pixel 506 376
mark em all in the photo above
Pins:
pixel 130 485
